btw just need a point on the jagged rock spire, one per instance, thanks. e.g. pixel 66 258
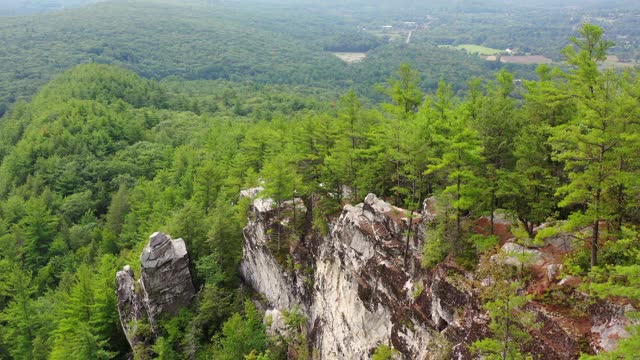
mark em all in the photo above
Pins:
pixel 165 286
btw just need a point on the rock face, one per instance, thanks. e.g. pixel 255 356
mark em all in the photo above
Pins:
pixel 166 280
pixel 130 306
pixel 356 288
pixel 361 285
pixel 165 287
pixel 610 325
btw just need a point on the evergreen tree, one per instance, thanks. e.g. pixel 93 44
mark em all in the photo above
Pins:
pixel 405 98
pixel 529 191
pixel 19 334
pixel 498 126
pixel 461 158
pixel 241 335
pixel 78 332
pixel 39 227
pixel 588 142
pixel 510 322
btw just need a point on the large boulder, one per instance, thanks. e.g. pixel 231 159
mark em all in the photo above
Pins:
pixel 516 254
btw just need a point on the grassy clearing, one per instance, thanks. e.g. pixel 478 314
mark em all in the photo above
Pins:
pixel 477 49
pixel 613 62
pixel 351 57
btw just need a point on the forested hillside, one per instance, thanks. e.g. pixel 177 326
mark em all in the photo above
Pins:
pixel 101 157
pixel 262 42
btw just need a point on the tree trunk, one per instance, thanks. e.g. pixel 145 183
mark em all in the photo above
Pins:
pixel 594 243
pixel 493 209
pixel 620 198
pixel 406 244
pixel 596 231
pixel 458 220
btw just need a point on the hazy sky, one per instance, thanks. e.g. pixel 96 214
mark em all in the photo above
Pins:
pixel 16 7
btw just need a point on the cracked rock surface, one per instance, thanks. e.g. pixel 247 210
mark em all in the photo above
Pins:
pixel 165 286
pixel 360 284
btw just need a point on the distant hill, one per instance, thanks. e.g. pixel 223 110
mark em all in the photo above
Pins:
pixel 20 7
pixel 283 41
pixel 156 40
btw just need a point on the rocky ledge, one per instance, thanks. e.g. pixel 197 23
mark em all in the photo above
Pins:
pixel 361 285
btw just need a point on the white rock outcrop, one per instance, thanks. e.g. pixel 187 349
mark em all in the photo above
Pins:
pixel 361 285
pixel 358 297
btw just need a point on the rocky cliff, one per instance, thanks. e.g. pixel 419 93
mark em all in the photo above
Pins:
pixel 361 285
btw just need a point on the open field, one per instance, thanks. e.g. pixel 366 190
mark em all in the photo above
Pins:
pixel 614 61
pixel 351 57
pixel 526 60
pixel 475 49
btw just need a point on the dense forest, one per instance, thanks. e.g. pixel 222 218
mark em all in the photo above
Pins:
pixel 101 157
pixel 289 42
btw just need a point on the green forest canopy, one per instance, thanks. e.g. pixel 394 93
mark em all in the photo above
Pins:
pixel 101 157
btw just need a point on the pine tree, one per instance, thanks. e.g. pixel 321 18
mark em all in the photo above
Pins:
pixel 587 144
pixel 504 299
pixel 344 161
pixel 118 209
pixel 78 331
pixel 241 335
pixel 529 190
pixel 509 325
pixel 405 95
pixel 498 125
pixel 460 161
pixel 19 333
pixel 39 227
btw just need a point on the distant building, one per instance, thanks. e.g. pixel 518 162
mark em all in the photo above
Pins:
pixel 509 51
pixel 386 28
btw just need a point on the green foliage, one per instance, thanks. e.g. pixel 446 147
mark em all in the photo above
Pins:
pixel 510 323
pixel 435 247
pixel 259 356
pixel 360 41
pixel 485 243
pixel 87 316
pixel 461 157
pixel 591 144
pixel 384 352
pixel 101 158
pixel 18 287
pixel 621 280
pixel 241 335
pixel 417 291
pixel 296 326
